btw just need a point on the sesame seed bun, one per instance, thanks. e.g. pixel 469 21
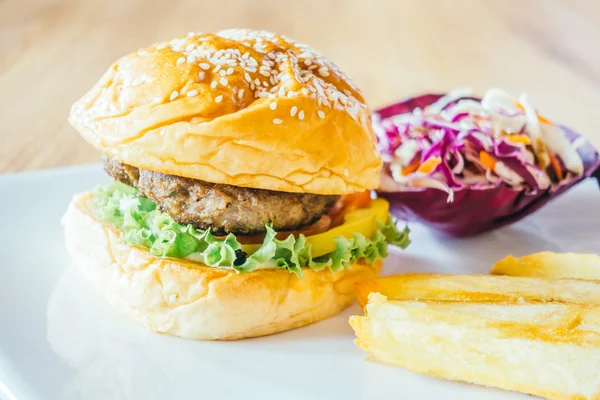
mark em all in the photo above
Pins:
pixel 238 107
pixel 191 300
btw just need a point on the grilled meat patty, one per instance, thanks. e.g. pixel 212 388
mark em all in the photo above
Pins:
pixel 121 172
pixel 222 208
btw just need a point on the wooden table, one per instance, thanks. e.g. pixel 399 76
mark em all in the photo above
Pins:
pixel 52 51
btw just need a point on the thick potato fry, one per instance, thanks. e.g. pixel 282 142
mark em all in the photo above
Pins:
pixel 550 265
pixel 487 288
pixel 545 349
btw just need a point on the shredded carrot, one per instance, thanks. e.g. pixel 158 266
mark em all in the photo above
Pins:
pixel 412 167
pixel 487 160
pixel 544 120
pixel 556 166
pixel 541 118
pixel 518 139
pixel 429 165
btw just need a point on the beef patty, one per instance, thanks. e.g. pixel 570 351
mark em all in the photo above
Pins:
pixel 222 208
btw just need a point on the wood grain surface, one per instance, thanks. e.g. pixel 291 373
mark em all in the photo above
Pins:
pixel 52 51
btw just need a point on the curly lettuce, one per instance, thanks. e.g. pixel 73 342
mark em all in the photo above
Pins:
pixel 142 224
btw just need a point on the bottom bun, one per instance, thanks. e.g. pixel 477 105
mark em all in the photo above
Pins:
pixel 194 301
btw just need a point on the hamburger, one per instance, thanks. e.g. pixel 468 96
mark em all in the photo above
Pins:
pixel 242 164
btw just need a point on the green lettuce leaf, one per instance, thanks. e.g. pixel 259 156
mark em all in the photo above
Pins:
pixel 142 224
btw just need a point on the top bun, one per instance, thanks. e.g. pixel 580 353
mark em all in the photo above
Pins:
pixel 239 107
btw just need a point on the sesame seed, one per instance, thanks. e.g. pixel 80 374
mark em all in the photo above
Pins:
pixel 265 84
pixel 301 115
pixel 213 84
pixel 192 93
pixel 321 114
pixel 217 68
pixel 354 110
pixel 219 98
pixel 293 111
pixel 229 71
pixel 247 77
pixel 323 72
pixel 273 105
pixel 205 66
pixel 174 95
pixel 264 73
pixel 189 47
pixel 223 72
pixel 304 91
pixel 241 94
pixel 223 81
pixel 257 82
pixel 307 62
pixel 201 75
pixel 277 121
pixel 161 46
pixel 181 60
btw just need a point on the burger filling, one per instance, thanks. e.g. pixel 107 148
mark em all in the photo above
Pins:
pixel 222 208
pixel 244 229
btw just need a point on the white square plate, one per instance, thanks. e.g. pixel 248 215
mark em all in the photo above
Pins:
pixel 59 341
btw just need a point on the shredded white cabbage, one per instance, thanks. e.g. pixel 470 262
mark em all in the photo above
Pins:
pixel 427 182
pixel 416 180
pixel 534 130
pixel 450 97
pixel 558 143
pixel 405 153
pixel 507 173
pixel 496 99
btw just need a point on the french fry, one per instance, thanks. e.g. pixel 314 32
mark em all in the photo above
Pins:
pixel 550 265
pixel 478 288
pixel 545 349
